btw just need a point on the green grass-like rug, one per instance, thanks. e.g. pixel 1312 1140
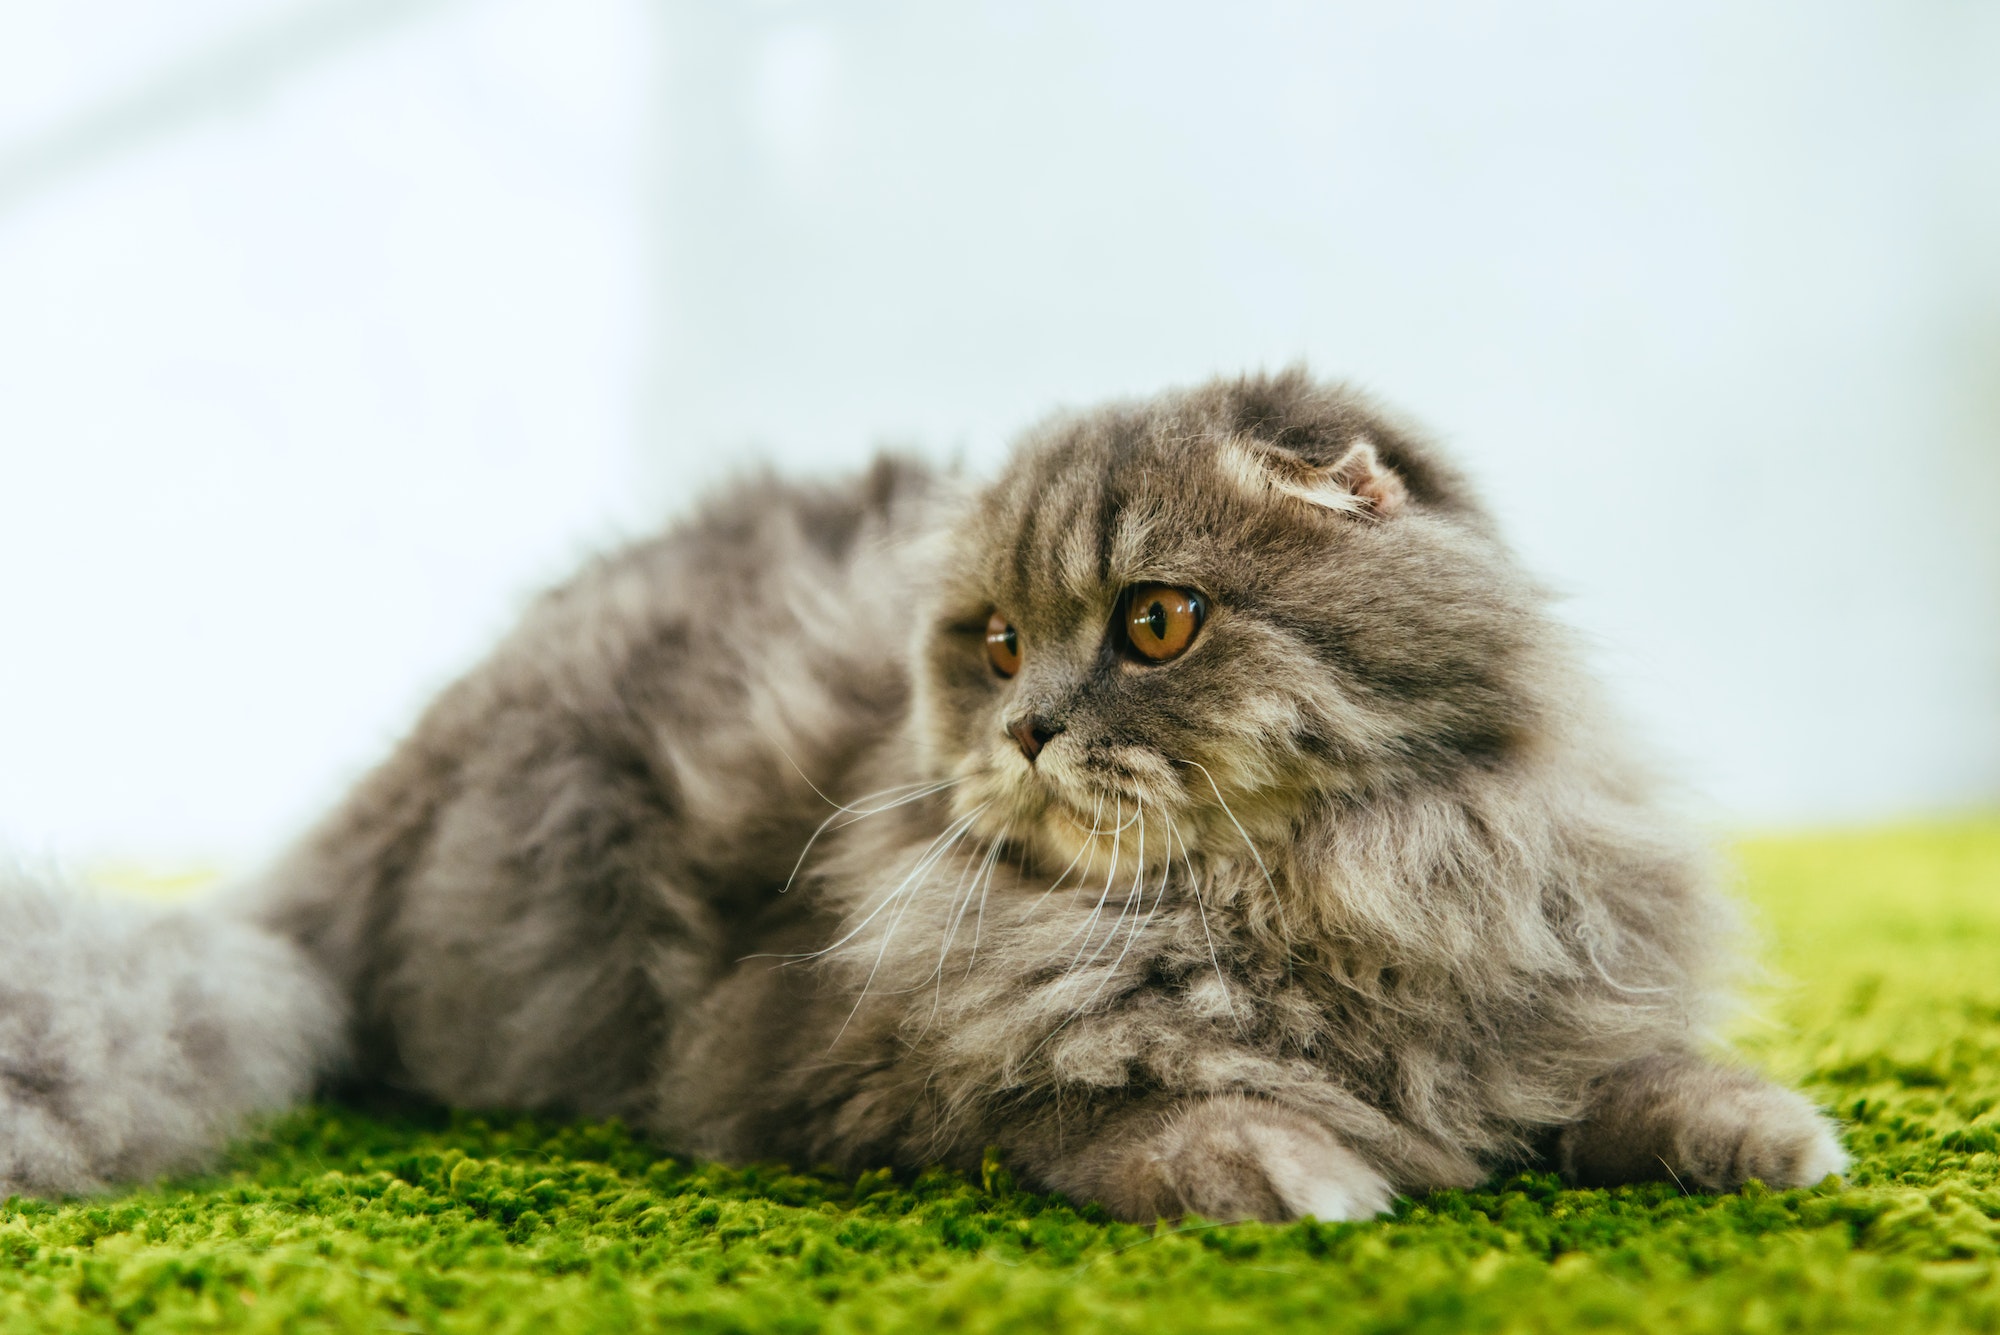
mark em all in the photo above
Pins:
pixel 345 1220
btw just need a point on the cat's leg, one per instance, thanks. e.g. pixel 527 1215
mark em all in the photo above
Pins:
pixel 1223 1158
pixel 1708 1127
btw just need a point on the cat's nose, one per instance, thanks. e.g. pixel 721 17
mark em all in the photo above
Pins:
pixel 1032 733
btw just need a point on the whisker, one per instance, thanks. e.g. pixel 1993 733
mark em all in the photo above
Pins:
pixel 1137 888
pixel 931 854
pixel 1132 932
pixel 862 814
pixel 928 785
pixel 960 826
pixel 797 768
pixel 922 869
pixel 821 793
pixel 961 896
pixel 1090 843
pixel 976 874
pixel 1080 1010
pixel 985 884
pixel 1166 867
pixel 1277 900
pixel 944 946
pixel 1136 816
pixel 1089 925
pixel 1194 886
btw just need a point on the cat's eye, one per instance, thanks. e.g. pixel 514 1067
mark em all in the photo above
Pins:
pixel 1003 646
pixel 1161 621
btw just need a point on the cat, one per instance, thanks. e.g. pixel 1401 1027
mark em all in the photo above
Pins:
pixel 1205 813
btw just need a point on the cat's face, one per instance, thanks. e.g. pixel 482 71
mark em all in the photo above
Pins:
pixel 1168 630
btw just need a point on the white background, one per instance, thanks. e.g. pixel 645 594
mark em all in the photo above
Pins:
pixel 329 331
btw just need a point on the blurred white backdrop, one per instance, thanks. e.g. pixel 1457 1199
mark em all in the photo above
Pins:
pixel 329 331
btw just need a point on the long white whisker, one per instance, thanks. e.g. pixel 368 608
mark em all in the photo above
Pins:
pixel 976 873
pixel 861 814
pixel 933 786
pixel 1277 900
pixel 1132 932
pixel 1128 824
pixel 961 826
pixel 922 869
pixel 1166 867
pixel 931 854
pixel 1078 1012
pixel 1590 953
pixel 1089 925
pixel 1089 844
pixel 985 884
pixel 1194 886
pixel 980 884
pixel 961 896
pixel 798 768
pixel 937 972
pixel 1138 888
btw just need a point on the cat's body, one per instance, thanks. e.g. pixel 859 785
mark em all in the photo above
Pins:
pixel 845 824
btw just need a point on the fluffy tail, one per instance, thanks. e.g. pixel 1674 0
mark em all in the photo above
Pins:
pixel 135 1039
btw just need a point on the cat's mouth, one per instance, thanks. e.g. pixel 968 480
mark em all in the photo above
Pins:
pixel 1117 832
pixel 1078 821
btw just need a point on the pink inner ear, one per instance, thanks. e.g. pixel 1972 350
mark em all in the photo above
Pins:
pixel 1362 472
pixel 1359 483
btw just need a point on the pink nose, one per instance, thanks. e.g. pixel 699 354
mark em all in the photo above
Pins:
pixel 1032 734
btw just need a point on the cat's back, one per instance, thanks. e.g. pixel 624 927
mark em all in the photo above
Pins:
pixel 778 612
pixel 583 824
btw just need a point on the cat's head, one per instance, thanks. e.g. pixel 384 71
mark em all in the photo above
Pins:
pixel 1199 619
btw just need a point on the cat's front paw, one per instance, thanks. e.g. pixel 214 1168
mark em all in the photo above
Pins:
pixel 1707 1127
pixel 1228 1159
pixel 1310 1172
pixel 1762 1133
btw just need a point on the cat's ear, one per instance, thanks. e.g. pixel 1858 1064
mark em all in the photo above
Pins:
pixel 1357 483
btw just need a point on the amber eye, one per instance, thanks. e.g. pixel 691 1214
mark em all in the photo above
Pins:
pixel 1003 646
pixel 1161 621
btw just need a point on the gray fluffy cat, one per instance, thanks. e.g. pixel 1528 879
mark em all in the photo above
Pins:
pixel 1205 813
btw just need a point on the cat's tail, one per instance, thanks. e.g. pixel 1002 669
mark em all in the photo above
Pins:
pixel 135 1039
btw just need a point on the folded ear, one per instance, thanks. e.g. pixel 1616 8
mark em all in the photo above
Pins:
pixel 1357 483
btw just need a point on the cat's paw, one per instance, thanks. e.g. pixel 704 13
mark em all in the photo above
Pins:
pixel 1759 1132
pixel 1315 1175
pixel 1707 1127
pixel 1228 1158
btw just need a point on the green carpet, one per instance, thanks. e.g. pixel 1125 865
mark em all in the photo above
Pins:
pixel 1883 999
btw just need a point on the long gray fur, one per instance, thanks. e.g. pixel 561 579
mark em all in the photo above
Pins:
pixel 733 837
